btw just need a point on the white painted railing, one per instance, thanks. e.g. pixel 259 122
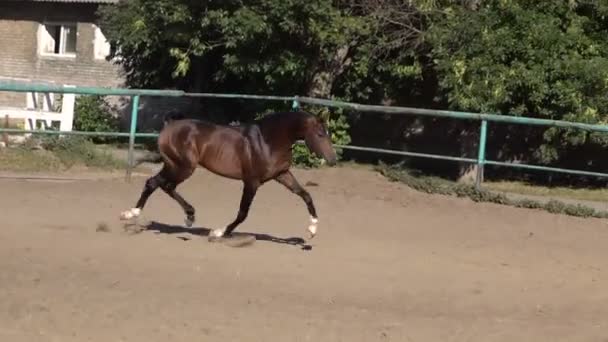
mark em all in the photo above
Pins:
pixel 36 111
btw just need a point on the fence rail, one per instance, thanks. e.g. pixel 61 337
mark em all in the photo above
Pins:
pixel 241 96
pixel 297 101
pixel 89 134
pixel 59 89
pixel 454 115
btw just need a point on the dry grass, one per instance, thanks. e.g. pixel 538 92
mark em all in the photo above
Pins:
pixel 21 160
pixel 12 123
pixel 435 185
pixel 58 154
pixel 523 188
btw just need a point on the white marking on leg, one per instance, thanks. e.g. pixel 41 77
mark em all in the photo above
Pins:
pixel 312 228
pixel 188 222
pixel 129 214
pixel 218 233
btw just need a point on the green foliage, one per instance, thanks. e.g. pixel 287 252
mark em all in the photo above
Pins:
pixel 93 115
pixel 21 159
pixel 54 153
pixel 546 59
pixel 302 157
pixel 269 46
pixel 272 46
pixel 434 185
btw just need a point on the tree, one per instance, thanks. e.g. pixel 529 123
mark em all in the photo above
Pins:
pixel 268 46
pixel 283 47
pixel 543 59
pixel 546 59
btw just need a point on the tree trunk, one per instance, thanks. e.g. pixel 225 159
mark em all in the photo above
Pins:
pixel 326 73
pixel 199 83
pixel 469 141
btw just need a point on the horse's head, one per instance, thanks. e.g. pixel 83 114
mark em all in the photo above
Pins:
pixel 318 139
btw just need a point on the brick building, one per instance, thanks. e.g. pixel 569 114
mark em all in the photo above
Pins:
pixel 57 42
pixel 53 41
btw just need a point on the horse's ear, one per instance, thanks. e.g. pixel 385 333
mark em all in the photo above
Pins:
pixel 324 115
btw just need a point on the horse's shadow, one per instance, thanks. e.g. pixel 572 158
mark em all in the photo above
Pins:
pixel 161 228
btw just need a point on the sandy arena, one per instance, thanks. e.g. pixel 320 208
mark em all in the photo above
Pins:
pixel 388 264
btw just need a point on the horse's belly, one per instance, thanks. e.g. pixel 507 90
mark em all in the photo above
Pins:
pixel 226 167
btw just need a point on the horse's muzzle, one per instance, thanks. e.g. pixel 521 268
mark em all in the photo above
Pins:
pixel 332 162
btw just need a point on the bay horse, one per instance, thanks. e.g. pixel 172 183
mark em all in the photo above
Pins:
pixel 253 153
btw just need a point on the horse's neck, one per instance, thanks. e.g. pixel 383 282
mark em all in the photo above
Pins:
pixel 282 133
pixel 282 127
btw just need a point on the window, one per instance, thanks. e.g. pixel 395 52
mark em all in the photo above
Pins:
pixel 58 39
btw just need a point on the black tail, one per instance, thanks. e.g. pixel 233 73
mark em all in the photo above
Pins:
pixel 155 157
pixel 150 157
pixel 171 116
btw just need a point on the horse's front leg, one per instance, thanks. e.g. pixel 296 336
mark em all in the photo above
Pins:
pixel 249 191
pixel 289 181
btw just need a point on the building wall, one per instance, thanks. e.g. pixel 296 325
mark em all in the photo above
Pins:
pixel 19 25
pixel 20 60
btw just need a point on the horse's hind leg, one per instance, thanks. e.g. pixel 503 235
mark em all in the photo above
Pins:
pixel 167 180
pixel 171 178
pixel 290 182
pixel 169 188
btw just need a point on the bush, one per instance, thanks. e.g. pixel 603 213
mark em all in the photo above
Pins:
pixel 92 114
pixel 54 153
pixel 72 150
pixel 28 160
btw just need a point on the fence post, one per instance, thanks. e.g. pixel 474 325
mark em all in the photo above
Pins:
pixel 4 135
pixel 132 131
pixel 295 104
pixel 481 155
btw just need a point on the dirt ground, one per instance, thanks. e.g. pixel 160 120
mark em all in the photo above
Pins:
pixel 388 264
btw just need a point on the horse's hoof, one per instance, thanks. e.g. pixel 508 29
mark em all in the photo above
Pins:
pixel 126 215
pixel 129 214
pixel 312 228
pixel 189 221
pixel 216 235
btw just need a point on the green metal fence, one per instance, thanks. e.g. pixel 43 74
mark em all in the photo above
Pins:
pixel 296 101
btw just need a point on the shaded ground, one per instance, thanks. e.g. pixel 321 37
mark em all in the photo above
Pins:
pixel 388 264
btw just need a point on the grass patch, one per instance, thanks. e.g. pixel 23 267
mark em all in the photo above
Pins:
pixel 435 185
pixel 54 153
pixel 18 159
pixel 523 188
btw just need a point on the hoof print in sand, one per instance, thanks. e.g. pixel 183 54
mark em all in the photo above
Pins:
pixel 236 240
